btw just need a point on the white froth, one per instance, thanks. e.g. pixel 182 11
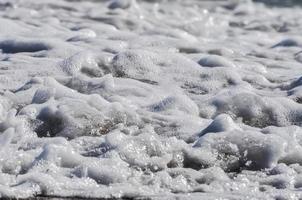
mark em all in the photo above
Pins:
pixel 150 99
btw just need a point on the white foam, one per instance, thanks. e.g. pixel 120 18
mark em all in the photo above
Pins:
pixel 161 99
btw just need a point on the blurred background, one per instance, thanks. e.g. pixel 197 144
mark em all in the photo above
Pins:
pixel 281 2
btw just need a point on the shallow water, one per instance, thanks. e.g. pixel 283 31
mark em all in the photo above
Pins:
pixel 150 99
